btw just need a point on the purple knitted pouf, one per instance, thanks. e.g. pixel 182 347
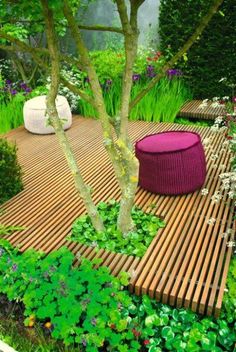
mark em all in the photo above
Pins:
pixel 171 162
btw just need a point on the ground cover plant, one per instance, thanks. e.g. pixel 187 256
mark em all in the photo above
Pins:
pixel 146 227
pixel 87 307
pixel 10 171
pixel 55 18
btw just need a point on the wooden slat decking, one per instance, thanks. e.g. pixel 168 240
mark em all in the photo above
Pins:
pixel 193 110
pixel 186 263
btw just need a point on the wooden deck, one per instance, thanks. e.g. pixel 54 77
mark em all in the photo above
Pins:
pixel 187 262
pixel 193 110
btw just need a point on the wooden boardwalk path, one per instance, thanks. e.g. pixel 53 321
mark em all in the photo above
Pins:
pixel 186 263
pixel 193 110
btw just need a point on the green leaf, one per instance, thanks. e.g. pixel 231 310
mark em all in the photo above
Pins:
pixel 167 333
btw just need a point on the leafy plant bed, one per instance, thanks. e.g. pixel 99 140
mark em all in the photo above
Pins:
pixel 87 308
pixel 135 243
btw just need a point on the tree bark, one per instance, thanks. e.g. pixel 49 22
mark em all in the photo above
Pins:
pixel 54 120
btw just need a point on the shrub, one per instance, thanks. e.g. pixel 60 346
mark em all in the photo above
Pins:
pixel 10 171
pixel 213 56
pixel 135 243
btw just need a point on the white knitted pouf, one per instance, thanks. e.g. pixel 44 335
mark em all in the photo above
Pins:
pixel 34 114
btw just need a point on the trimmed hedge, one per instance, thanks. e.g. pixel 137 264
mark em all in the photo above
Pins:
pixel 213 56
pixel 10 171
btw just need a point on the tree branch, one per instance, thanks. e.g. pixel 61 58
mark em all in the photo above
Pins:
pixel 43 51
pixel 33 51
pixel 131 44
pixel 204 22
pixel 102 28
pixel 97 27
pixel 87 64
pixel 122 9
pixel 78 91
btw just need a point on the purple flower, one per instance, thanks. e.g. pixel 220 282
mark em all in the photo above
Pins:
pixel 14 267
pixel 2 251
pixel 174 72
pixel 23 85
pixel 13 92
pixel 28 90
pixel 150 68
pixel 234 99
pixel 8 81
pixel 84 343
pixel 151 71
pixel 108 82
pixel 136 77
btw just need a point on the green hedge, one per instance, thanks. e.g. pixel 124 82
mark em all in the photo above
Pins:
pixel 213 56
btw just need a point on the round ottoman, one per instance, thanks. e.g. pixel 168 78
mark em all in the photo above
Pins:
pixel 171 162
pixel 34 114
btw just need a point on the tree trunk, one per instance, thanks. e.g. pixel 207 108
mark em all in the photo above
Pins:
pixel 82 189
pixel 54 120
pixel 125 223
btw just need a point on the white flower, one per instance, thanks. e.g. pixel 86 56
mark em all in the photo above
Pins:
pixel 216 104
pixel 225 143
pixel 214 156
pixel 231 244
pixel 202 106
pixel 204 191
pixel 207 141
pixel 211 221
pixel 215 128
pixel 219 120
pixel 229 231
pixel 216 99
pixel 222 79
pixel 94 244
pixel 231 194
pixel 216 197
